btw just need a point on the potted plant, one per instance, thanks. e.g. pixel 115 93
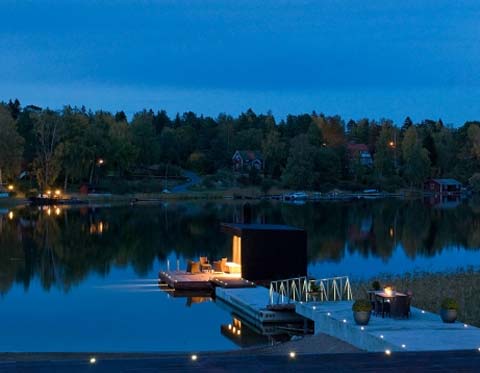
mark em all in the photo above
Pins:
pixel 362 309
pixel 449 310
pixel 376 285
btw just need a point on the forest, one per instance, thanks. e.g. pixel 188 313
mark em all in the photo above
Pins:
pixel 43 148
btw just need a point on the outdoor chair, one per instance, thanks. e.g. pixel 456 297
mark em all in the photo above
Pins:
pixel 193 267
pixel 204 264
pixel 220 265
pixel 400 307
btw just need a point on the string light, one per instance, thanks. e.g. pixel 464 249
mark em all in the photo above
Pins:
pixel 403 346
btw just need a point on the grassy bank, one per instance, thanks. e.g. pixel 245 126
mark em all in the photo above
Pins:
pixel 429 289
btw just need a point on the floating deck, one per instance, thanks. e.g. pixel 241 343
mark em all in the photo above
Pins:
pixel 183 281
pixel 252 305
pixel 423 331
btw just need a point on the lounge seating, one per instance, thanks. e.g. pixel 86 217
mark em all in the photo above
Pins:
pixel 193 267
pixel 220 265
pixel 204 264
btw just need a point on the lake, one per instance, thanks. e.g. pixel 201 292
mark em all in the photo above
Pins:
pixel 85 279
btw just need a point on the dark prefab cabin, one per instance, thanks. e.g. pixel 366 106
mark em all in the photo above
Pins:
pixel 443 186
pixel 268 252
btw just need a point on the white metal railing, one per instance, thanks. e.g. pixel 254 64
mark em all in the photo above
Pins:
pixel 301 289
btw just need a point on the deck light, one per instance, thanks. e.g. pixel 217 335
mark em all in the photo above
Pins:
pixel 93 360
pixel 479 349
pixel 328 313
pixel 57 192
pixel 10 215
pixel 10 187
pixel 314 308
pixel 344 321
pixel 465 325
pixel 194 357
pixel 239 332
pixel 403 346
pixel 381 336
pixel 229 326
pixel 388 352
pixel 292 354
pixel 423 311
pixel 362 328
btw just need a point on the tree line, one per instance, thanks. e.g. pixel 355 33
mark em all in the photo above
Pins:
pixel 307 151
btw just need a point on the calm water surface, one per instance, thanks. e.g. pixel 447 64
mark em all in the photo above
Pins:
pixel 85 279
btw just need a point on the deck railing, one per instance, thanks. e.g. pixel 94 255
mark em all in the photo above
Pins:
pixel 301 289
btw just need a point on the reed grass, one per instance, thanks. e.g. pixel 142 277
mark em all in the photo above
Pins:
pixel 429 289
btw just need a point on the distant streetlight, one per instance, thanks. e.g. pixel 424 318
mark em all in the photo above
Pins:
pixel 100 161
pixel 11 187
pixel 391 144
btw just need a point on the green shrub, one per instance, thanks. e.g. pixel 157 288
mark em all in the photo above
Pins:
pixel 362 305
pixel 376 285
pixel 449 304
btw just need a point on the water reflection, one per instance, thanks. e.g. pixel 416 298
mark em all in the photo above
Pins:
pixel 61 246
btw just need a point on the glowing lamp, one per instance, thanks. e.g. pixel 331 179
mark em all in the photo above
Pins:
pixel 194 357
pixel 57 192
pixel 292 354
pixel 388 352
pixel 389 291
pixel 10 187
pixel 10 215
pixel 93 360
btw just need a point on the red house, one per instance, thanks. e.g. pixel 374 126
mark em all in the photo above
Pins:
pixel 443 186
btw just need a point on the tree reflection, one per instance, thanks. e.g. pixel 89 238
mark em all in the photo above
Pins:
pixel 61 247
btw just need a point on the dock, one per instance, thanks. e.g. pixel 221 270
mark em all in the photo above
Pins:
pixel 204 281
pixel 422 331
pixel 251 304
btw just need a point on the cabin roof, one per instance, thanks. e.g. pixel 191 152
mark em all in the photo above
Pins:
pixel 236 228
pixel 447 181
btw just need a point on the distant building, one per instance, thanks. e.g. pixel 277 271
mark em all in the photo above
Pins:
pixel 442 186
pixel 360 153
pixel 245 160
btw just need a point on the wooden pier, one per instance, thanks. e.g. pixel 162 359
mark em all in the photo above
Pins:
pixel 205 281
pixel 422 331
pixel 251 304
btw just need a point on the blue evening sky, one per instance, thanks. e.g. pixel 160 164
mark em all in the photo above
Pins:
pixel 353 58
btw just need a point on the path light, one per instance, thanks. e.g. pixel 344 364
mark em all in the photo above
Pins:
pixel 292 354
pixel 10 187
pixel 194 357
pixel 92 360
pixel 388 352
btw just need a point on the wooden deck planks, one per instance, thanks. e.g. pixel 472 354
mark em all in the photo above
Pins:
pixel 181 280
